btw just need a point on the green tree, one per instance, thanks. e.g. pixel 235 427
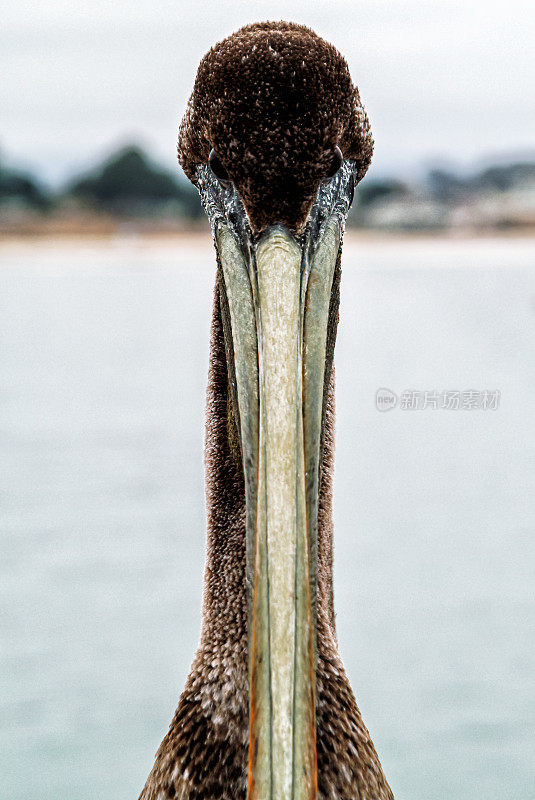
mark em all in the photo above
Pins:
pixel 128 181
pixel 21 188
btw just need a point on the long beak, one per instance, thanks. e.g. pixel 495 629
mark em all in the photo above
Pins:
pixel 277 302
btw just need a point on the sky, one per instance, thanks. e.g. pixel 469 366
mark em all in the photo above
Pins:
pixel 443 81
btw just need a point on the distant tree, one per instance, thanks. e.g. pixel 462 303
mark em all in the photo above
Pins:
pixel 374 190
pixel 501 178
pixel 19 187
pixel 451 187
pixel 446 186
pixel 128 180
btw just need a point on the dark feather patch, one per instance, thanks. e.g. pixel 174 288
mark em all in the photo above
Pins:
pixel 274 100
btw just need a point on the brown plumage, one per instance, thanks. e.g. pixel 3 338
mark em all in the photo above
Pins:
pixel 204 755
pixel 274 100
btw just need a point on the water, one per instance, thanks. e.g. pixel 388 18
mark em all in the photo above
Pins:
pixel 103 361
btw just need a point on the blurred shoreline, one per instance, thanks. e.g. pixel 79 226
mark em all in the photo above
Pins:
pixel 97 235
pixel 130 195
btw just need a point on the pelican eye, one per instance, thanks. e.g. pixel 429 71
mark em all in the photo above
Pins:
pixel 217 168
pixel 336 162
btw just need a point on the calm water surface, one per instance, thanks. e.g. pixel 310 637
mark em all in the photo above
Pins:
pixel 103 358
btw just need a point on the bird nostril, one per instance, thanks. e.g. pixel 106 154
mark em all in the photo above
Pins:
pixel 218 169
pixel 336 162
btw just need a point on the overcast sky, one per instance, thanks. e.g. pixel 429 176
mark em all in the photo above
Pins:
pixel 441 79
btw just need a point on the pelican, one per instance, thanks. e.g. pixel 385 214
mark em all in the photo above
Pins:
pixel 275 138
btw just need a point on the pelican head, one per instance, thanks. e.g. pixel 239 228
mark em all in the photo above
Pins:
pixel 276 115
pixel 275 138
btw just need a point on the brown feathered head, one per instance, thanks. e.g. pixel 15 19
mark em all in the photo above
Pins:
pixel 276 105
